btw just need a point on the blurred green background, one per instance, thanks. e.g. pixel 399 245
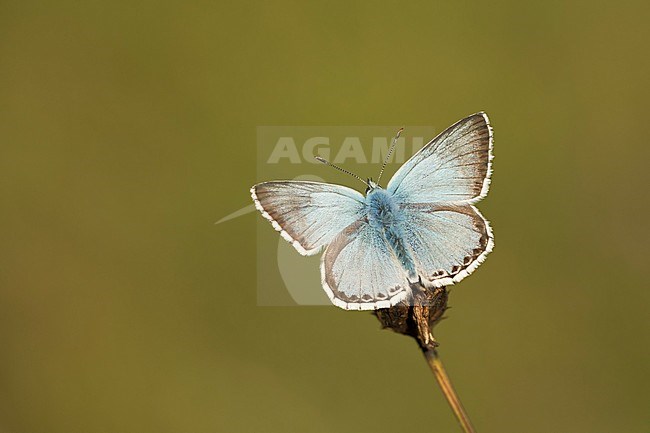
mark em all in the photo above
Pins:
pixel 127 129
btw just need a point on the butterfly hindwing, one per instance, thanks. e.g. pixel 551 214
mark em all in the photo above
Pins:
pixel 360 272
pixel 455 166
pixel 447 241
pixel 307 214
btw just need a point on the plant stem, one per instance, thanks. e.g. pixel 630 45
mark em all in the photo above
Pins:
pixel 448 390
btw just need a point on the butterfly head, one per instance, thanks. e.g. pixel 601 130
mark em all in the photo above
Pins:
pixel 371 185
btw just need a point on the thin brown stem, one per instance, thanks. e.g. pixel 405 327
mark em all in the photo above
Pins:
pixel 448 390
pixel 417 320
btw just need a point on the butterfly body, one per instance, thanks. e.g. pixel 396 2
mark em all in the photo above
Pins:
pixel 423 227
pixel 387 219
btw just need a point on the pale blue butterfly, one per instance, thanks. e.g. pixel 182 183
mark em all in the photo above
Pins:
pixel 422 229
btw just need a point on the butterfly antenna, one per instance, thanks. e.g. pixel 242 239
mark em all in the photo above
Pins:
pixel 326 162
pixel 390 151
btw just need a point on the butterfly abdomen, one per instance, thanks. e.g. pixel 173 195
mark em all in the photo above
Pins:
pixel 385 216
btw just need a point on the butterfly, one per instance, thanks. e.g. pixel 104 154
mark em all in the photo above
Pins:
pixel 422 229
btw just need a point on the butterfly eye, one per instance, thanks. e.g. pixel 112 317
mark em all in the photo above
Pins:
pixel 371 185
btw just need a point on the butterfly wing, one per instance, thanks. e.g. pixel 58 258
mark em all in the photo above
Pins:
pixel 307 214
pixel 455 166
pixel 447 235
pixel 448 242
pixel 359 271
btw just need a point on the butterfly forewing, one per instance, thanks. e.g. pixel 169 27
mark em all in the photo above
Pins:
pixel 453 167
pixel 308 214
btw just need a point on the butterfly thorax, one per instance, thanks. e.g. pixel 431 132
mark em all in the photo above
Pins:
pixel 382 209
pixel 385 215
